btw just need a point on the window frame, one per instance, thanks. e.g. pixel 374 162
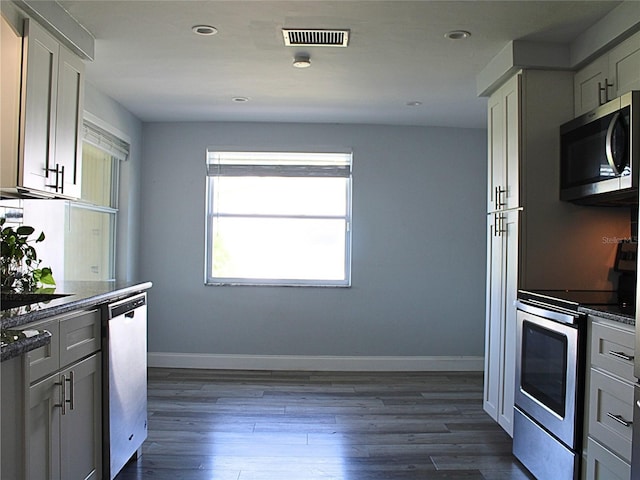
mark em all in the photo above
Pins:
pixel 210 214
pixel 110 141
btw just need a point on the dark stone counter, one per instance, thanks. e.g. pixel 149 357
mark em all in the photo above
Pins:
pixel 611 313
pixel 16 342
pixel 80 296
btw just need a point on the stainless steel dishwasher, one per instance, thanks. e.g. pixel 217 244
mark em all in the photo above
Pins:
pixel 125 382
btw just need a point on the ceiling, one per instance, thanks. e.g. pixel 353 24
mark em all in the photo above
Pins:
pixel 148 59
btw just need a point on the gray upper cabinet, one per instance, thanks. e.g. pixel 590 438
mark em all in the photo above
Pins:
pixel 608 77
pixel 49 154
pixel 68 149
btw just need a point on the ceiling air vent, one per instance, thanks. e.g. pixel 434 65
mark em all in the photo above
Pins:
pixel 303 37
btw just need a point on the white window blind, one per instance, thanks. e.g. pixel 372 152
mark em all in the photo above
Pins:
pixel 100 138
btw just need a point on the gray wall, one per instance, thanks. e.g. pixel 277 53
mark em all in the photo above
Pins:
pixel 128 228
pixel 419 247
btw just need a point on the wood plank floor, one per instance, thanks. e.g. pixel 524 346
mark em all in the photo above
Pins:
pixel 255 425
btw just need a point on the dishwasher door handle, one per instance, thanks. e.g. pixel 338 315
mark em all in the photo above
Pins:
pixel 130 314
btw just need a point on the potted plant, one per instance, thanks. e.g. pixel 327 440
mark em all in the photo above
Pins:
pixel 20 270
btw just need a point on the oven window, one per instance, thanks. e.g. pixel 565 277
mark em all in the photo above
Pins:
pixel 544 366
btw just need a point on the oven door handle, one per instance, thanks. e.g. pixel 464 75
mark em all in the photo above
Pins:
pixel 552 312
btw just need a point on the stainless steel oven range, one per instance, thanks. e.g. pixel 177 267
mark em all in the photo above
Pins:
pixel 550 372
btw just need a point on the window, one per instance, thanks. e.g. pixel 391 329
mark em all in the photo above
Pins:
pixel 278 218
pixel 91 223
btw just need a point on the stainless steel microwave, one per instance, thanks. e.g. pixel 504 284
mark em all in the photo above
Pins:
pixel 600 153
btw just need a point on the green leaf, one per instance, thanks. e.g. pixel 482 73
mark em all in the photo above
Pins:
pixel 46 277
pixel 25 230
pixel 41 237
pixel 45 290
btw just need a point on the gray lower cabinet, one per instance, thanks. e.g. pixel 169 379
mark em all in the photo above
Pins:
pixel 610 400
pixel 65 442
pixel 64 398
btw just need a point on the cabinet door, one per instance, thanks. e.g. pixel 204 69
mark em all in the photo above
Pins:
pixel 587 84
pixel 510 227
pixel 496 159
pixel 613 349
pixel 44 361
pixel 604 465
pixel 611 413
pixel 512 123
pixel 43 455
pixel 40 71
pixel 624 66
pixel 81 426
pixel 80 336
pixel 494 316
pixel 69 112
pixel 500 330
pixel 504 146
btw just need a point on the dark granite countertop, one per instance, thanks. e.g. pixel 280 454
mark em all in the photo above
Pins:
pixel 611 312
pixel 80 295
pixel 16 342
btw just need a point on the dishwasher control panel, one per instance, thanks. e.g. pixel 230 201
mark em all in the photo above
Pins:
pixel 117 309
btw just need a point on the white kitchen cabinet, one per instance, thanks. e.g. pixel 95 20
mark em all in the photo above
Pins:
pixel 64 411
pixel 500 351
pixel 49 158
pixel 610 400
pixel 524 115
pixel 502 251
pixel 609 76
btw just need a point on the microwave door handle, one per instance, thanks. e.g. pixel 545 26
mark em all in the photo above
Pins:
pixel 608 143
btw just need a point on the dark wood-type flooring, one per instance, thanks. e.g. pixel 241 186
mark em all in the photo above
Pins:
pixel 253 425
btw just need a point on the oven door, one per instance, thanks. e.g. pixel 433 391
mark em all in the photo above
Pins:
pixel 547 374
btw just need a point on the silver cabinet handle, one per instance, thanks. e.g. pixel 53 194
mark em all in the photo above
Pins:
pixel 63 395
pixel 604 89
pixel 621 355
pixel 62 182
pixel 500 228
pixel 499 192
pixel 620 419
pixel 57 172
pixel 72 390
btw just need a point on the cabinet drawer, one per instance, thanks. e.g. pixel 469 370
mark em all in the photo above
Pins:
pixel 612 349
pixel 79 336
pixel 611 406
pixel 44 360
pixel 605 465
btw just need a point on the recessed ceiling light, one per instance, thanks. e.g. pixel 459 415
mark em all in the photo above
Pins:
pixel 240 99
pixel 204 30
pixel 414 104
pixel 457 34
pixel 302 61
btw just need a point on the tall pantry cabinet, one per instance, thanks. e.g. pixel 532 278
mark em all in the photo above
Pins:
pixel 524 115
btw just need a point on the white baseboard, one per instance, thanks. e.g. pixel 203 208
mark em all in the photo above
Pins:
pixel 317 363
